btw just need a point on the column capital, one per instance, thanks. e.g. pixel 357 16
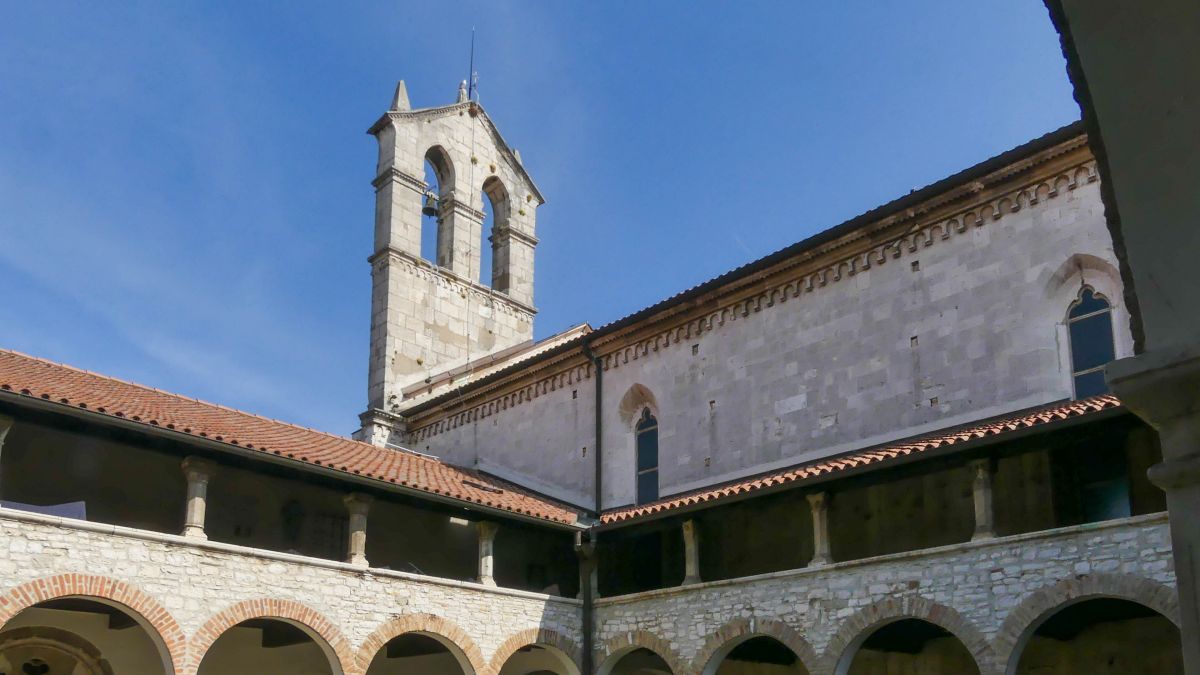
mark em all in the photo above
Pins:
pixel 358 503
pixel 487 529
pixel 198 469
pixel 983 465
pixel 818 501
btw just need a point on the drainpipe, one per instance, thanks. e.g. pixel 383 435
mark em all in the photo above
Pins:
pixel 586 548
pixel 599 449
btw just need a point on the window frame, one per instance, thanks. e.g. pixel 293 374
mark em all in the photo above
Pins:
pixel 638 430
pixel 1071 320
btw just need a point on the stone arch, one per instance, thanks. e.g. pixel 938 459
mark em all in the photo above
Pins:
pixel 637 397
pixel 534 636
pixel 158 623
pixel 858 627
pixel 619 645
pixel 1061 289
pixel 319 628
pixel 443 168
pixel 494 245
pixel 446 632
pixel 1095 272
pixel 1026 617
pixel 725 638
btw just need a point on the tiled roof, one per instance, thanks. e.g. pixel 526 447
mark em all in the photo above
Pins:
pixel 824 467
pixel 32 377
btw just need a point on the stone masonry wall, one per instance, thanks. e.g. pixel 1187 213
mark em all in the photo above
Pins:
pixel 962 319
pixel 189 592
pixel 987 594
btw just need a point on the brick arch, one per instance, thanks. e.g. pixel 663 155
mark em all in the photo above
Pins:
pixel 447 632
pixel 534 636
pixel 319 627
pixel 619 645
pixel 855 629
pixel 158 623
pixel 739 630
pixel 1025 618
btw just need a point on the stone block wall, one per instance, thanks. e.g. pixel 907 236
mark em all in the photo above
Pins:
pixel 189 592
pixel 962 318
pixel 987 594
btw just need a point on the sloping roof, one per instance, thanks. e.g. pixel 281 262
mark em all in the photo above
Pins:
pixel 825 467
pixel 26 376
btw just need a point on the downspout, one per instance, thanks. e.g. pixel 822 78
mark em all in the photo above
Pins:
pixel 598 363
pixel 585 541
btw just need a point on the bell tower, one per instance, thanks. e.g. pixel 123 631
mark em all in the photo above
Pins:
pixel 429 317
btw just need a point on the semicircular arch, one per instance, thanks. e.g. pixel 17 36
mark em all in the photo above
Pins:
pixel 617 646
pixel 152 617
pixel 855 630
pixel 1021 623
pixel 727 637
pixel 320 629
pixel 448 633
pixel 536 636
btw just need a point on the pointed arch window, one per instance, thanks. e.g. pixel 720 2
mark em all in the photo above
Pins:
pixel 1090 331
pixel 647 457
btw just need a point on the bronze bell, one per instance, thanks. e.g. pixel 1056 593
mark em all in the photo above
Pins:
pixel 430 208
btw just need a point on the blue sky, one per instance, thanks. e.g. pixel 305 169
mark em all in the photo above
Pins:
pixel 185 193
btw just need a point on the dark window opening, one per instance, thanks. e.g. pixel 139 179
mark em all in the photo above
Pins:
pixel 1090 334
pixel 647 458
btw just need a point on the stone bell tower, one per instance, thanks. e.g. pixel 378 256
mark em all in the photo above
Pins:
pixel 429 317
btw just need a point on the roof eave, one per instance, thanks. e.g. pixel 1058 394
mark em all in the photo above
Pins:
pixel 944 451
pixel 25 401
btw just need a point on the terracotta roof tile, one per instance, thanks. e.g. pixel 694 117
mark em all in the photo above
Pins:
pixel 32 377
pixel 1007 424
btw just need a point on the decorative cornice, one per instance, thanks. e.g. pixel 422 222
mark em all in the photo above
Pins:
pixel 461 207
pixel 914 229
pixel 501 233
pixel 427 271
pixel 394 175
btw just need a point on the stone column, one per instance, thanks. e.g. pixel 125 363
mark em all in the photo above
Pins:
pixel 358 505
pixel 985 517
pixel 818 503
pixel 1164 390
pixel 691 552
pixel 487 552
pixel 197 471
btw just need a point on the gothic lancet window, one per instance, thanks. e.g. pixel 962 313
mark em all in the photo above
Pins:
pixel 647 458
pixel 1089 326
